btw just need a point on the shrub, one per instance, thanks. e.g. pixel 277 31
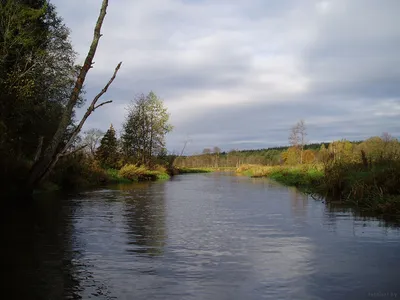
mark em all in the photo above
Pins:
pixel 77 171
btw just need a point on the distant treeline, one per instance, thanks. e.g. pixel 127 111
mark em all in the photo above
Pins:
pixel 292 155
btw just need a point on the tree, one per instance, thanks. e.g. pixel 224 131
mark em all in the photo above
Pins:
pixel 145 128
pixel 297 137
pixel 216 151
pixel 55 148
pixel 308 157
pixel 36 74
pixel 36 70
pixel 187 140
pixel 92 138
pixel 341 150
pixel 391 147
pixel 291 156
pixel 323 154
pixel 206 151
pixel 107 153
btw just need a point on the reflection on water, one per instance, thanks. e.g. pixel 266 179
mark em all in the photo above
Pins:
pixel 37 251
pixel 145 218
pixel 200 236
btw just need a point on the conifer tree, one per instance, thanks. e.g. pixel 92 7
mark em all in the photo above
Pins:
pixel 107 153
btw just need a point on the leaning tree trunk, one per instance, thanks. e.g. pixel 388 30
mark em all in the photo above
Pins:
pixel 52 153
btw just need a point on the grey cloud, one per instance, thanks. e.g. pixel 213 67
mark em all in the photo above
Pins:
pixel 238 74
pixel 270 125
pixel 356 50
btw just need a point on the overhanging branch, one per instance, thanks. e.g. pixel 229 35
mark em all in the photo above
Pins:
pixel 104 90
pixel 92 107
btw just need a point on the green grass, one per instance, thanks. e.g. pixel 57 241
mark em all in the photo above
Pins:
pixel 305 177
pixel 114 177
pixel 142 173
pixel 159 175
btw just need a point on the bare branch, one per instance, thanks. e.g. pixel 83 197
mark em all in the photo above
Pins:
pixel 92 107
pixel 58 156
pixel 39 149
pixel 74 151
pixel 104 90
pixel 101 104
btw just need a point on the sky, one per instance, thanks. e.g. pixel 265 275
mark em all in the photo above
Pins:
pixel 238 74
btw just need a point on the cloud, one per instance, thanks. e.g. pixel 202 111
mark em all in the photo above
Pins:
pixel 238 74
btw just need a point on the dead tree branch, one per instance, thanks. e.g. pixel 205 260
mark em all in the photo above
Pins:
pixel 74 151
pixel 91 108
pixel 39 149
pixel 101 104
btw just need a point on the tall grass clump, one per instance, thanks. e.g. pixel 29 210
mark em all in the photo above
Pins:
pixel 372 187
pixel 141 173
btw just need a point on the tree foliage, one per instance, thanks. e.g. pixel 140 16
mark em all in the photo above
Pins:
pixel 145 128
pixel 344 151
pixel 36 74
pixel 40 89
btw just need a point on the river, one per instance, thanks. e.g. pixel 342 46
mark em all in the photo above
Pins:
pixel 200 236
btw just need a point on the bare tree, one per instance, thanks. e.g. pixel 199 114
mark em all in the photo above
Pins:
pixel 92 139
pixel 206 151
pixel 216 151
pixel 297 137
pixel 387 137
pixel 47 159
pixel 188 140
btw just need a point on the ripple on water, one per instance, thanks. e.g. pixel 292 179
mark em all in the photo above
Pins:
pixel 197 237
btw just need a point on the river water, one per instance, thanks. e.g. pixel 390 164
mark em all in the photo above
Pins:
pixel 200 236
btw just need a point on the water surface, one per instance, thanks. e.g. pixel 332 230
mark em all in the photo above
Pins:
pixel 202 236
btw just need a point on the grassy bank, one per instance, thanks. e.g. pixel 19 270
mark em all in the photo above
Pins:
pixel 306 177
pixel 141 173
pixel 193 170
pixel 369 188
pixel 78 174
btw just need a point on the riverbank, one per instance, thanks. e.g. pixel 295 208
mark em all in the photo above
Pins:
pixel 374 189
pixel 181 170
pixel 91 174
pixel 192 170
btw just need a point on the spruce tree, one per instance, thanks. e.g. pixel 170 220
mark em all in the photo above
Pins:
pixel 107 153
